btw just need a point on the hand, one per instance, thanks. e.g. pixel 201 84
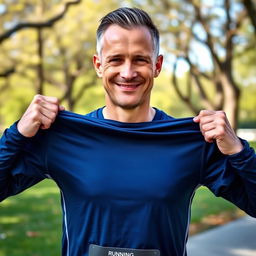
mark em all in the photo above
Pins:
pixel 40 114
pixel 215 126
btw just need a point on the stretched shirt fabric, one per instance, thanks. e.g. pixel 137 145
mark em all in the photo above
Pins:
pixel 127 185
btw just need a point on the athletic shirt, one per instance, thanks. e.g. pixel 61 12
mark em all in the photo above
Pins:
pixel 127 185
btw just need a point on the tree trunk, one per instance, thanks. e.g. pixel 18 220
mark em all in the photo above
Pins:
pixel 40 69
pixel 231 99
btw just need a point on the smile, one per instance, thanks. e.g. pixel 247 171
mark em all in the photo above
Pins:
pixel 128 86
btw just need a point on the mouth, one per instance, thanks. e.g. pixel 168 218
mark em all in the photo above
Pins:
pixel 128 86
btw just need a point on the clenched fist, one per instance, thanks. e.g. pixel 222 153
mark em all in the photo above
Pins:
pixel 40 114
pixel 215 126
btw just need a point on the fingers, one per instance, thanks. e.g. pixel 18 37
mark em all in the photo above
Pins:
pixel 41 113
pixel 47 106
pixel 213 124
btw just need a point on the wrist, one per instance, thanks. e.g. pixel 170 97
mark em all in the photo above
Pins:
pixel 238 147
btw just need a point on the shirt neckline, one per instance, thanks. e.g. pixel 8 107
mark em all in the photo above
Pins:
pixel 157 115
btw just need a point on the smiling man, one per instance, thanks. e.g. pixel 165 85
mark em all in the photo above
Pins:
pixel 127 172
pixel 128 64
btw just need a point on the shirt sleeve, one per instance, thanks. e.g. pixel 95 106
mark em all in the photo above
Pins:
pixel 21 162
pixel 232 177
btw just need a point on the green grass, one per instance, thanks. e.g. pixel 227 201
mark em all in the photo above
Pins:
pixel 253 144
pixel 205 204
pixel 30 223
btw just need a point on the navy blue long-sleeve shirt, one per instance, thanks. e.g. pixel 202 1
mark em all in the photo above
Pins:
pixel 126 185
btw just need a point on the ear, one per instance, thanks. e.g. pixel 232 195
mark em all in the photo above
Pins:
pixel 158 65
pixel 97 65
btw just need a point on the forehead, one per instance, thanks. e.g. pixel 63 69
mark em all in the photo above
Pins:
pixel 117 38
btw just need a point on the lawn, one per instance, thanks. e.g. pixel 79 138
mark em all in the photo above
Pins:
pixel 30 223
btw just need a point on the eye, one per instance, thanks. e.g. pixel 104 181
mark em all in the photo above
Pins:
pixel 115 60
pixel 141 60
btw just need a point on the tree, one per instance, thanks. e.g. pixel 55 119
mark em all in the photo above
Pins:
pixel 251 10
pixel 55 60
pixel 39 25
pixel 33 24
pixel 191 28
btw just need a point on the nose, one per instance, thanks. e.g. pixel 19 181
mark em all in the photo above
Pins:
pixel 128 71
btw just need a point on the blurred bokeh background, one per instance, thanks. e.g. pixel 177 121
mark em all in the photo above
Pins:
pixel 209 46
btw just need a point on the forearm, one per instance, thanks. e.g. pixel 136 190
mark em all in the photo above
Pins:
pixel 244 164
pixel 12 164
pixel 231 177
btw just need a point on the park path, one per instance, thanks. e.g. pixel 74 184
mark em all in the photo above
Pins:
pixel 237 238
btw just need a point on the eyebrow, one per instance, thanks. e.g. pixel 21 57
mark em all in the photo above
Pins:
pixel 142 56
pixel 122 55
pixel 114 56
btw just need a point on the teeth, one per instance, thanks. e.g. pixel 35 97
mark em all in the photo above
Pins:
pixel 128 85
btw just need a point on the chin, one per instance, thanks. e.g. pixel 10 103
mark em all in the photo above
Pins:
pixel 128 105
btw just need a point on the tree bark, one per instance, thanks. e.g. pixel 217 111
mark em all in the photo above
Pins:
pixel 231 96
pixel 40 68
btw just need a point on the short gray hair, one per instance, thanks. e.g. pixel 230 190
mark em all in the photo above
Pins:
pixel 128 18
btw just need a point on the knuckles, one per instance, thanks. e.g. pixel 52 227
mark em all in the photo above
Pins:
pixel 221 114
pixel 37 98
pixel 35 113
pixel 55 109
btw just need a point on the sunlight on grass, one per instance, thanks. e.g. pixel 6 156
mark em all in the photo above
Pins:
pixel 42 192
pixel 205 203
pixel 9 220
pixel 7 203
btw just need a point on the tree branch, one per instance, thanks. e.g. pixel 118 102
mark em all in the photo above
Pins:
pixel 209 42
pixel 8 72
pixel 82 90
pixel 231 28
pixel 45 24
pixel 229 36
pixel 251 10
pixel 185 99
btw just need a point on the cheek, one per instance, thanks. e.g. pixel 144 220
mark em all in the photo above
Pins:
pixel 110 72
pixel 149 74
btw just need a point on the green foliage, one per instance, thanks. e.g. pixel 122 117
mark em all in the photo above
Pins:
pixel 68 48
pixel 201 43
pixel 164 97
pixel 247 107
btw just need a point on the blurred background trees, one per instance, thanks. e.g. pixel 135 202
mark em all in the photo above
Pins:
pixel 47 46
pixel 209 39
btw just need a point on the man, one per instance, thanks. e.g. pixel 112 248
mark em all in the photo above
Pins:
pixel 127 172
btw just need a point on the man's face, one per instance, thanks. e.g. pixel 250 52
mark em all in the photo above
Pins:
pixel 127 66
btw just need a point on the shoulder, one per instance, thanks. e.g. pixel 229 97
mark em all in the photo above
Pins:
pixel 161 115
pixel 96 113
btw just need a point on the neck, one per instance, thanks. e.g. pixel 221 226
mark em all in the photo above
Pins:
pixel 136 115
